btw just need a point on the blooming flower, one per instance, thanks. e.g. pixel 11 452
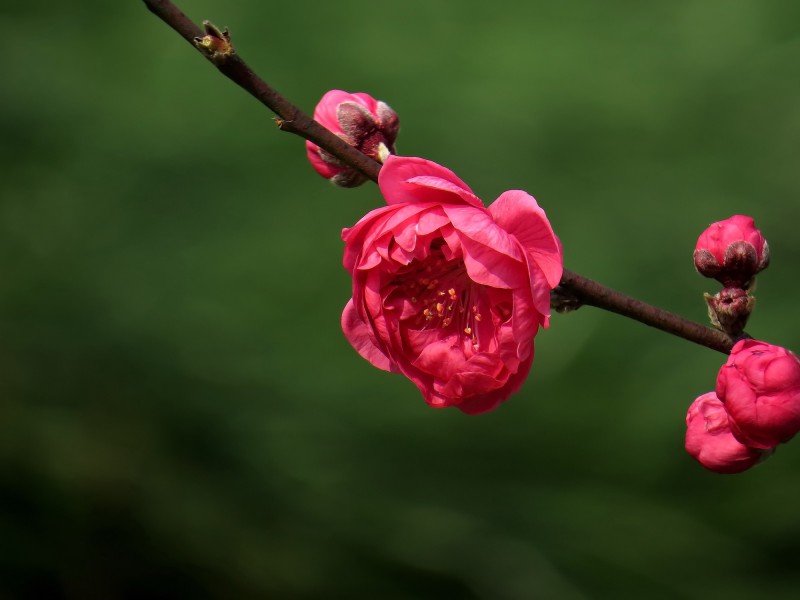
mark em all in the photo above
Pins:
pixel 760 388
pixel 448 292
pixel 710 442
pixel 731 251
pixel 363 122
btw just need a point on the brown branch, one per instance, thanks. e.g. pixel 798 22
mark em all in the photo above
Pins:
pixel 291 118
pixel 573 291
pixel 580 290
pixel 172 16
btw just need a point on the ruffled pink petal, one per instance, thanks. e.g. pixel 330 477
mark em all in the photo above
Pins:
pixel 486 402
pixel 431 220
pixel 471 384
pixel 413 180
pixel 491 256
pixel 525 322
pixel 540 288
pixel 360 336
pixel 488 267
pixel 392 222
pixel 518 213
pixel 442 358
pixel 479 226
pixel 361 240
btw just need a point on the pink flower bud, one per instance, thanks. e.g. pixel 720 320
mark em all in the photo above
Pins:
pixel 730 309
pixel 710 442
pixel 363 122
pixel 760 388
pixel 731 251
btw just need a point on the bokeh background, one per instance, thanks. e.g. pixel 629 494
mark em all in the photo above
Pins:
pixel 180 415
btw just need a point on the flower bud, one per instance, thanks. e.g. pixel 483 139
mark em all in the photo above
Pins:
pixel 730 309
pixel 367 124
pixel 216 43
pixel 760 388
pixel 710 442
pixel 731 251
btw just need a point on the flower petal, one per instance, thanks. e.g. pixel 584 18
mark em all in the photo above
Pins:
pixel 518 213
pixel 476 405
pixel 413 180
pixel 360 336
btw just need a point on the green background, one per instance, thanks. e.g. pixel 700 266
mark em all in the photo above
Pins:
pixel 180 415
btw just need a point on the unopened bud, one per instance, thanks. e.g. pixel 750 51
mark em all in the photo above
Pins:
pixel 760 388
pixel 730 309
pixel 732 252
pixel 710 442
pixel 367 124
pixel 216 43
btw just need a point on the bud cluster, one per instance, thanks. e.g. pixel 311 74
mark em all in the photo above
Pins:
pixel 755 407
pixel 732 251
pixel 756 404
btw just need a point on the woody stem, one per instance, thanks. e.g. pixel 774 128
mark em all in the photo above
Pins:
pixel 573 291
pixel 582 290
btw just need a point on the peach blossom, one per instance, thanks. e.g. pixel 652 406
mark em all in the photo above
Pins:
pixel 448 292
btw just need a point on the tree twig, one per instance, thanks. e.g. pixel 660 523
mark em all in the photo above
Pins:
pixel 291 118
pixel 573 291
pixel 585 291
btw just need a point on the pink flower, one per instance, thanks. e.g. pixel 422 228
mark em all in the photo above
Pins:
pixel 363 122
pixel 760 388
pixel 710 442
pixel 448 292
pixel 731 251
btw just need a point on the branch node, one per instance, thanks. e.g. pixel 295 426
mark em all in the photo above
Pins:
pixel 285 125
pixel 563 299
pixel 216 43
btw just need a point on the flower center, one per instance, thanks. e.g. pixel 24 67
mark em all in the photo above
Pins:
pixel 438 294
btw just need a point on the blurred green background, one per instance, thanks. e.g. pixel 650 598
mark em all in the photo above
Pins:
pixel 180 415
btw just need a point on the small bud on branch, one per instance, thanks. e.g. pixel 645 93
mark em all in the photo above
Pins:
pixel 367 124
pixel 215 43
pixel 235 69
pixel 729 309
